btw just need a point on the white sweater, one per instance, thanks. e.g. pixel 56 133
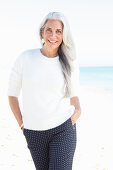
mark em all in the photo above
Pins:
pixel 42 83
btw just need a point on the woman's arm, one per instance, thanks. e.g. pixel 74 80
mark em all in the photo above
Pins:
pixel 14 105
pixel 75 101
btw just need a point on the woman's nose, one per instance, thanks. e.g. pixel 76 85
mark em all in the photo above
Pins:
pixel 53 34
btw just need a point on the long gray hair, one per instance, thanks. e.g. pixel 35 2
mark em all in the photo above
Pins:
pixel 66 51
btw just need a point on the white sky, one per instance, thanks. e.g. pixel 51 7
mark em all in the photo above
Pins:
pixel 91 22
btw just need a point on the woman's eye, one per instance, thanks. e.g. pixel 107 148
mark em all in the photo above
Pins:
pixel 59 31
pixel 48 30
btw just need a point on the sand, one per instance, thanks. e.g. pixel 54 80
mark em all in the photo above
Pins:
pixel 94 149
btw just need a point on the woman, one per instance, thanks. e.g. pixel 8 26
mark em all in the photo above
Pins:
pixel 49 80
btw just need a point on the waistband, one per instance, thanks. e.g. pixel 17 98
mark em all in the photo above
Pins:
pixel 66 125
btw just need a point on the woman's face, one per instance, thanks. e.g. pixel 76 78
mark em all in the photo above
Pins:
pixel 53 34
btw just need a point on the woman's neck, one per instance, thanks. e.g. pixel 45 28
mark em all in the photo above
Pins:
pixel 48 52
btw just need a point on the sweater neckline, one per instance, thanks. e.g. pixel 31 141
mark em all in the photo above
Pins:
pixel 49 58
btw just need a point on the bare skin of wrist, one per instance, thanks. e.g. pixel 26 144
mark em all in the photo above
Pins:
pixel 77 112
pixel 14 104
pixel 75 115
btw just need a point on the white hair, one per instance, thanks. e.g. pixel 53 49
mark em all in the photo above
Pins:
pixel 67 52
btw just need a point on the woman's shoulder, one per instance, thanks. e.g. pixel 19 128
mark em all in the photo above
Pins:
pixel 30 51
pixel 28 54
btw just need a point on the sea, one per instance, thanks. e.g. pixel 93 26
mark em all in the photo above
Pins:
pixel 100 77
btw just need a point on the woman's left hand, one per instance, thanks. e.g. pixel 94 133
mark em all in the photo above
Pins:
pixel 75 115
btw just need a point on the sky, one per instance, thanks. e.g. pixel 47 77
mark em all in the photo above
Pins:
pixel 91 24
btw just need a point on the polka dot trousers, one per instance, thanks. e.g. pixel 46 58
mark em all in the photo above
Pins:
pixel 52 149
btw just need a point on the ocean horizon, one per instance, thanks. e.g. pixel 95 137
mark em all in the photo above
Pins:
pixel 97 76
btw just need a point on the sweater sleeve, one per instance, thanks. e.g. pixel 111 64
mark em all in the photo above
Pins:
pixel 75 80
pixel 15 77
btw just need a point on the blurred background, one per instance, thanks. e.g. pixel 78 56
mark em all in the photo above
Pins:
pixel 91 24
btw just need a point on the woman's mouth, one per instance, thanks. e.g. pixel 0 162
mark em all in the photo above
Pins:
pixel 52 42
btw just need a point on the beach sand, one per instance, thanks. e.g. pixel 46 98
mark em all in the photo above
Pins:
pixel 94 149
